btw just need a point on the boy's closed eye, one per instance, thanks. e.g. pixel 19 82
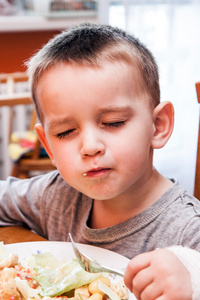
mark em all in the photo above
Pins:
pixel 115 124
pixel 65 133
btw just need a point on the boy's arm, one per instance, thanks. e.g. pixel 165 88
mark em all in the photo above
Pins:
pixel 22 201
pixel 19 201
pixel 171 273
pixel 191 260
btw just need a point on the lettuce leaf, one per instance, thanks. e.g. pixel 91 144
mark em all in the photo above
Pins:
pixel 56 278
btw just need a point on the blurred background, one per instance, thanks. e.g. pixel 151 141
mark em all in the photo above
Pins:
pixel 169 28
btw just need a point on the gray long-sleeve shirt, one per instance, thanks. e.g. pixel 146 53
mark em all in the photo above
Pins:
pixel 52 209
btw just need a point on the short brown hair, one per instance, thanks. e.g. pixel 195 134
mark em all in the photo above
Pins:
pixel 91 45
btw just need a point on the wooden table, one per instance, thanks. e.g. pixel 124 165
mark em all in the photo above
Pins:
pixel 18 234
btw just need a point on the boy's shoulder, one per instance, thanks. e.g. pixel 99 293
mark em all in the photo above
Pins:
pixel 51 182
pixel 178 191
pixel 179 197
pixel 39 186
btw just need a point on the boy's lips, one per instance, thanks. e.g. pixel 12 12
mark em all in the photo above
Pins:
pixel 97 172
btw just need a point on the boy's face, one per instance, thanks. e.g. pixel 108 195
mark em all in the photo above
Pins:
pixel 97 128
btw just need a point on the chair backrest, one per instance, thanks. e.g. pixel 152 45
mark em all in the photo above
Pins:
pixel 197 174
pixel 12 98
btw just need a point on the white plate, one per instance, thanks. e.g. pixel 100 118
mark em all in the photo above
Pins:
pixel 63 250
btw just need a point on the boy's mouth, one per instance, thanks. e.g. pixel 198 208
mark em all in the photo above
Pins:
pixel 97 172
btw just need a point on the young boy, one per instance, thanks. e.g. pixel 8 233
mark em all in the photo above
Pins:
pixel 96 92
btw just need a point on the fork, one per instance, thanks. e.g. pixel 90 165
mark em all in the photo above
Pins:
pixel 90 265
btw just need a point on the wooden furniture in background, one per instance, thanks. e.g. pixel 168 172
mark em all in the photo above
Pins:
pixel 25 165
pixel 18 234
pixel 197 175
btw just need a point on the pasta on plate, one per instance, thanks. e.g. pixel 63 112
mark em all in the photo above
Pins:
pixel 42 276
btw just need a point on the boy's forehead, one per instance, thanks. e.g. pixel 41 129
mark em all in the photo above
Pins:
pixel 126 77
pixel 105 67
pixel 117 75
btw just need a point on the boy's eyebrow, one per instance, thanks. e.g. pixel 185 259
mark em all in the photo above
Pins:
pixel 59 122
pixel 123 109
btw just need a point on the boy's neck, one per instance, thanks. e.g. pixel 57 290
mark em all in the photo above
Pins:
pixel 108 213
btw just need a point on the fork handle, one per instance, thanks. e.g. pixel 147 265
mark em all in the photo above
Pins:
pixel 112 271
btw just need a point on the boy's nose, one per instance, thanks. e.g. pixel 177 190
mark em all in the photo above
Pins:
pixel 91 145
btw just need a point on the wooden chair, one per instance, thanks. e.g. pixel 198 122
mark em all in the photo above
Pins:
pixel 197 174
pixel 25 165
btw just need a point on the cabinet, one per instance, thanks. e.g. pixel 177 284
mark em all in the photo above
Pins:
pixel 22 36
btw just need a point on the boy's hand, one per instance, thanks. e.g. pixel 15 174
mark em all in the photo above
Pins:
pixel 158 275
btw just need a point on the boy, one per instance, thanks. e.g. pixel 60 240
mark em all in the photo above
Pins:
pixel 96 92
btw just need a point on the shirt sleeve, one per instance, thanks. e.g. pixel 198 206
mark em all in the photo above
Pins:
pixel 22 201
pixel 191 260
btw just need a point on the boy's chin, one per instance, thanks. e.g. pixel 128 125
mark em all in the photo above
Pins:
pixel 99 196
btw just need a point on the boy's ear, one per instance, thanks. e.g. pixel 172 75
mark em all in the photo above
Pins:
pixel 163 116
pixel 42 137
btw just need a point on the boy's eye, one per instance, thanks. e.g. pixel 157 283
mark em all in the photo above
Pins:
pixel 113 124
pixel 65 133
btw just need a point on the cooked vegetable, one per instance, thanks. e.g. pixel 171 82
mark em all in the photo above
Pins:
pixel 67 277
pixel 43 277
